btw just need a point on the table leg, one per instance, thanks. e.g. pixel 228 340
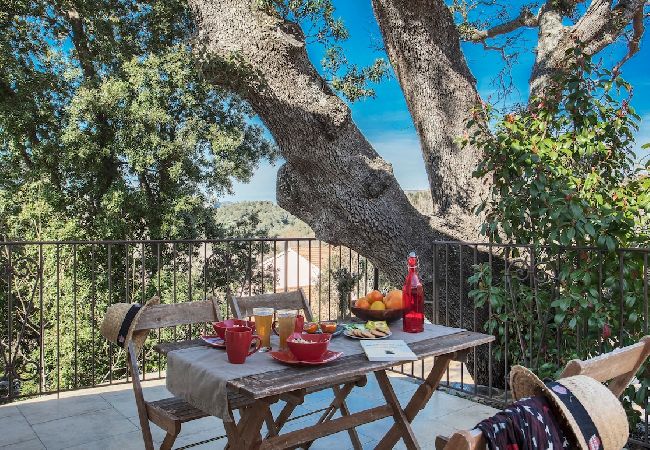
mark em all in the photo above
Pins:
pixel 270 424
pixel 252 427
pixel 293 399
pixel 232 433
pixel 418 401
pixel 401 422
pixel 284 415
pixel 339 403
pixel 247 433
pixel 345 411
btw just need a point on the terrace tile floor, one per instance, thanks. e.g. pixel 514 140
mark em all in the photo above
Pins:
pixel 106 418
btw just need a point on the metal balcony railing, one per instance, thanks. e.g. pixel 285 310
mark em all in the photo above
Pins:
pixel 545 305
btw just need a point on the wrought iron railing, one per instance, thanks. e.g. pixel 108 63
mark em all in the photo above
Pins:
pixel 53 295
pixel 545 305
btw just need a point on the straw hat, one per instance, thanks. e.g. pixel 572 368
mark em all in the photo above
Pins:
pixel 594 416
pixel 120 321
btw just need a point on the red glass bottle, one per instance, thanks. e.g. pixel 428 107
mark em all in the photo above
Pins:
pixel 413 298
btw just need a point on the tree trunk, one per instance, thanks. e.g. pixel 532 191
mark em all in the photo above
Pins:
pixel 332 178
pixel 547 58
pixel 423 45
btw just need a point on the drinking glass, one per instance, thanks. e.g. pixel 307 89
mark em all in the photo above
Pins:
pixel 286 325
pixel 263 324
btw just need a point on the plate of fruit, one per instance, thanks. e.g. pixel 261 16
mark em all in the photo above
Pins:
pixel 371 330
pixel 325 327
pixel 376 306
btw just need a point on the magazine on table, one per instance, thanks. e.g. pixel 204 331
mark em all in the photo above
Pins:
pixel 388 350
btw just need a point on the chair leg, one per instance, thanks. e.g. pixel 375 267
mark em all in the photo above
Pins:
pixel 168 442
pixel 441 442
pixel 146 433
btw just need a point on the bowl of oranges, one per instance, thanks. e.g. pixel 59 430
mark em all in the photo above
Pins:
pixel 376 306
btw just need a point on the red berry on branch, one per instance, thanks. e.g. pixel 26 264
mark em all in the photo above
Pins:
pixel 607 331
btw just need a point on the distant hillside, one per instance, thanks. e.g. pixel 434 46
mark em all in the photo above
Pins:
pixel 280 223
pixel 276 220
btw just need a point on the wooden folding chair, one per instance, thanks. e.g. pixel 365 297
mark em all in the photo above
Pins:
pixel 617 367
pixel 170 413
pixel 242 308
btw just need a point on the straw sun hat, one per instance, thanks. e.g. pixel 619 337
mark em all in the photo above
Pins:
pixel 120 320
pixel 591 412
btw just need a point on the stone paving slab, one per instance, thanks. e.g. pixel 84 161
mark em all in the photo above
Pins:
pixel 105 418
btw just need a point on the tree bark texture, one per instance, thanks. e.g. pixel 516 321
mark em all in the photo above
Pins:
pixel 423 46
pixel 332 178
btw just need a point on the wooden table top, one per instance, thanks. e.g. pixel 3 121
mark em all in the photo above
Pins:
pixel 292 378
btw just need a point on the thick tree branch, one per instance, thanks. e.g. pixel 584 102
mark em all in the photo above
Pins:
pixel 423 45
pixel 525 19
pixel 332 178
pixel 601 25
pixel 551 31
pixel 634 43
pixel 80 42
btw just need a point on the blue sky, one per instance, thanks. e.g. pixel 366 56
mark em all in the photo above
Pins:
pixel 386 122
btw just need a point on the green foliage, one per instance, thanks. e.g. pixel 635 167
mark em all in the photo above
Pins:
pixel 345 283
pixel 352 81
pixel 563 171
pixel 108 129
pixel 568 189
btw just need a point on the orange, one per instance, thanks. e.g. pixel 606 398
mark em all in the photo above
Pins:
pixel 375 296
pixel 393 299
pixel 378 306
pixel 362 303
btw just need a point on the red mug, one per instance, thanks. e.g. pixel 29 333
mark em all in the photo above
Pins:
pixel 238 344
pixel 299 327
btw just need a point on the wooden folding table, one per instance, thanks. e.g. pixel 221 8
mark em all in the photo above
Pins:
pixel 292 384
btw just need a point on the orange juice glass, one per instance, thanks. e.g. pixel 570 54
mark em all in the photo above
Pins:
pixel 263 324
pixel 286 325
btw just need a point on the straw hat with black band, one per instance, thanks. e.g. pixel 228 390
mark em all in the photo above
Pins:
pixel 120 320
pixel 592 414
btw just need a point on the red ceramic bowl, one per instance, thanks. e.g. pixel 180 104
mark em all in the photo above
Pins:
pixel 312 350
pixel 220 327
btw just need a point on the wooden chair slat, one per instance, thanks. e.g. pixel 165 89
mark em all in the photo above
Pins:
pixel 177 409
pixel 169 315
pixel 242 307
pixel 618 366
